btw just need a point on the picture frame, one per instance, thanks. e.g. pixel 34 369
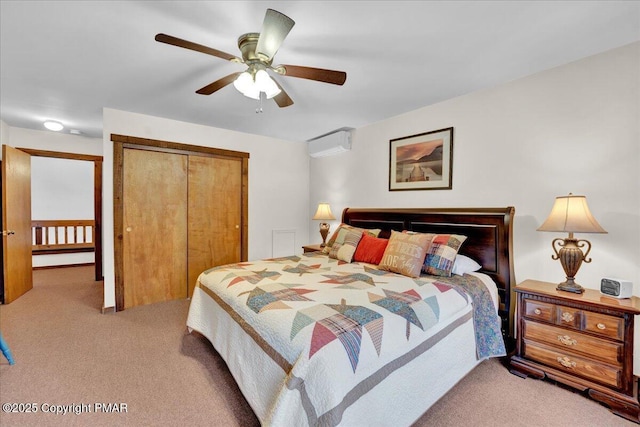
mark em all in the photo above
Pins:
pixel 422 162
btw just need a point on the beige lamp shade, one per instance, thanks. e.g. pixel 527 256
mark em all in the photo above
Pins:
pixel 571 214
pixel 324 212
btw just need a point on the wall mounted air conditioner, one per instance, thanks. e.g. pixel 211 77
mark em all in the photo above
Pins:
pixel 332 143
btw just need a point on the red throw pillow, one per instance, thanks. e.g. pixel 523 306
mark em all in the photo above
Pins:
pixel 370 249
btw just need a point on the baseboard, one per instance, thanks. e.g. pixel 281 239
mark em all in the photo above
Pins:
pixel 47 267
pixel 107 310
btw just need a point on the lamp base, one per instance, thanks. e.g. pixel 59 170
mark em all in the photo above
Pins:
pixel 570 286
pixel 324 232
pixel 571 257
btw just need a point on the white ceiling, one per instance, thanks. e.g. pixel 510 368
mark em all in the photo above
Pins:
pixel 66 60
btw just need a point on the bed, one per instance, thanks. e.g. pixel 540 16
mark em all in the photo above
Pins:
pixel 315 340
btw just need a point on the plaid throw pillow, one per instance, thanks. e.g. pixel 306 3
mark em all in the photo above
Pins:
pixel 344 251
pixel 335 236
pixel 442 254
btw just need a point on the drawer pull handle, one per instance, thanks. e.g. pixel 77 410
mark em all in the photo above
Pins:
pixel 601 326
pixel 567 340
pixel 537 311
pixel 567 317
pixel 566 362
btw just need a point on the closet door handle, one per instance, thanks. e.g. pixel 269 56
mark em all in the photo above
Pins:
pixel 8 232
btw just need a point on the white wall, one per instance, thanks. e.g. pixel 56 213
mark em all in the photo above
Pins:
pixel 61 189
pixel 574 129
pixel 4 134
pixel 278 179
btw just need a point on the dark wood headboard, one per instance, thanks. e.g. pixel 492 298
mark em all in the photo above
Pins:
pixel 489 242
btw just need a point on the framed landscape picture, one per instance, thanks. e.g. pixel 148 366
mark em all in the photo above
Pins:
pixel 421 162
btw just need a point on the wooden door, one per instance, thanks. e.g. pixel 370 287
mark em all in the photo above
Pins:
pixel 16 223
pixel 155 226
pixel 215 214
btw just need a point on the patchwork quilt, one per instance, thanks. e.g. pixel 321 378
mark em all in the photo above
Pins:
pixel 338 329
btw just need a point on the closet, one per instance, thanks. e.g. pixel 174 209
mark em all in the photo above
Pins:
pixel 178 210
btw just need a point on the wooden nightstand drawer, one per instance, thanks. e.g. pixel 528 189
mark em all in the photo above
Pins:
pixel 538 310
pixel 602 324
pixel 575 365
pixel 568 316
pixel 592 347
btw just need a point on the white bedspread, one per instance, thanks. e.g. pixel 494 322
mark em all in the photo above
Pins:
pixel 311 340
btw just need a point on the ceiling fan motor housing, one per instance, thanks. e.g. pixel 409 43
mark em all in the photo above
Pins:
pixel 247 44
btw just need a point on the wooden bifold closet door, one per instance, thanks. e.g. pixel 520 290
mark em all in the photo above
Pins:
pixel 214 214
pixel 155 221
pixel 182 212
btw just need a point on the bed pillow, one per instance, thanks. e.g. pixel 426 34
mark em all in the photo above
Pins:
pixel 442 254
pixel 405 253
pixel 334 236
pixel 463 265
pixel 370 249
pixel 349 241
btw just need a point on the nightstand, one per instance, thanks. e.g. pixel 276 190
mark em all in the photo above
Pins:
pixel 582 340
pixel 311 248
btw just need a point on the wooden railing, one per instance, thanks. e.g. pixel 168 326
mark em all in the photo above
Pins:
pixel 62 236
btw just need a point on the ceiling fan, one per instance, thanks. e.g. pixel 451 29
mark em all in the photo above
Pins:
pixel 258 50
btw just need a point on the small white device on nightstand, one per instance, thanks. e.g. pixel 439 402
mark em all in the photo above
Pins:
pixel 616 288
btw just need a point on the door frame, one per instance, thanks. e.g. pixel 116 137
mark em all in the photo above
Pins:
pixel 120 142
pixel 97 196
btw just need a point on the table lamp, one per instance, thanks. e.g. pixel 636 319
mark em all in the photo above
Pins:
pixel 571 214
pixel 324 213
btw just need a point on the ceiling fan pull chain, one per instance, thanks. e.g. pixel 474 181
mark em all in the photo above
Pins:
pixel 259 109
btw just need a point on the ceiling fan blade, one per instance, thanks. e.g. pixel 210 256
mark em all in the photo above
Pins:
pixel 318 74
pixel 164 38
pixel 218 84
pixel 275 28
pixel 282 99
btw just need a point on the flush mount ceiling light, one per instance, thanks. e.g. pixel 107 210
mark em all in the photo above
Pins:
pixel 54 126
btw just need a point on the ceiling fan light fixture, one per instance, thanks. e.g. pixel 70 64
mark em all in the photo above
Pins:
pixel 265 84
pixel 251 87
pixel 243 82
pixel 245 85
